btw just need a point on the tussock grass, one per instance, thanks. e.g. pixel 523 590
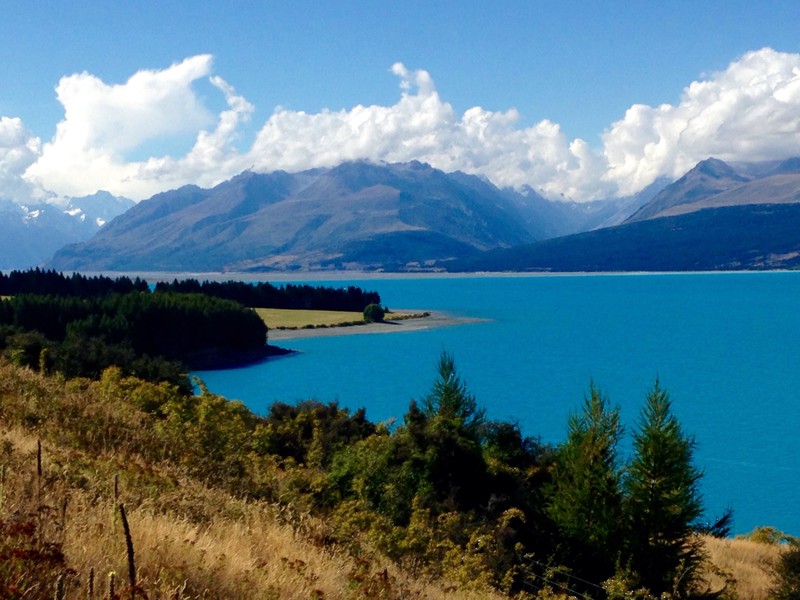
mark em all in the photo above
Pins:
pixel 749 563
pixel 192 539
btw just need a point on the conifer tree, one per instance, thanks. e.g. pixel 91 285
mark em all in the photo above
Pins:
pixel 662 501
pixel 449 398
pixel 585 502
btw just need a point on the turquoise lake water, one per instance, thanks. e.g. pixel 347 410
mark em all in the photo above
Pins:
pixel 726 346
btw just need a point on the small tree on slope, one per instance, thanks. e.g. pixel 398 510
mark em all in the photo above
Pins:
pixel 662 501
pixel 585 502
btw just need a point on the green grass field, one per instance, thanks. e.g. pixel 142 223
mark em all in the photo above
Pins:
pixel 275 318
pixel 285 318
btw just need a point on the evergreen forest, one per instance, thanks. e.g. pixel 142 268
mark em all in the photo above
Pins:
pixel 79 326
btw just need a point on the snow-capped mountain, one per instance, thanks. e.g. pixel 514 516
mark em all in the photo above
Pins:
pixel 30 234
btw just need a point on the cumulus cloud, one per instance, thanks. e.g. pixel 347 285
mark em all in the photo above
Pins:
pixel 103 123
pixel 750 111
pixel 18 150
pixel 421 126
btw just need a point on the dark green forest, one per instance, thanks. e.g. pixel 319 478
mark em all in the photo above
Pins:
pixel 255 294
pixel 79 326
pixel 266 295
pixel 156 337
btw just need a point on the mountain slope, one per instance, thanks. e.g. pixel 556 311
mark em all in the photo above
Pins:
pixel 707 178
pixel 356 215
pixel 732 237
pixel 713 183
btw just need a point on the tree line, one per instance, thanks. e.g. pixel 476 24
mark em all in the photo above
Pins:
pixel 266 295
pixel 255 295
pixel 44 282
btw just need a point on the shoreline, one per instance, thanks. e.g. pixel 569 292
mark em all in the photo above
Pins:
pixel 435 320
pixel 334 276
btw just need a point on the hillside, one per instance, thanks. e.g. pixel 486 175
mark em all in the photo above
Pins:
pixel 119 481
pixel 733 237
pixel 713 183
pixel 73 453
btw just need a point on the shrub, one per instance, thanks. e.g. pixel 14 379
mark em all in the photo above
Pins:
pixel 374 313
pixel 786 584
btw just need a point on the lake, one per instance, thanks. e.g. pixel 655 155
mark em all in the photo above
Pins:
pixel 725 345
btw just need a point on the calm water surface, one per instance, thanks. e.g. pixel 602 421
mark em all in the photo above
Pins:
pixel 726 346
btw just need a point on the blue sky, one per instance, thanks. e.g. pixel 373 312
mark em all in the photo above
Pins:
pixel 543 74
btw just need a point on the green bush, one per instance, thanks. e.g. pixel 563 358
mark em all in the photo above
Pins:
pixel 786 585
pixel 374 313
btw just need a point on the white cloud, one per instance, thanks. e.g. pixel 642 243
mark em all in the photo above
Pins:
pixel 18 150
pixel 749 111
pixel 212 159
pixel 103 122
pixel 420 126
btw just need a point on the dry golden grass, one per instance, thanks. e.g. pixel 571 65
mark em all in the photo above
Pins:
pixel 191 542
pixel 750 563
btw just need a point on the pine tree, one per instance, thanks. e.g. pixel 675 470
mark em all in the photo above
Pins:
pixel 662 501
pixel 450 398
pixel 585 501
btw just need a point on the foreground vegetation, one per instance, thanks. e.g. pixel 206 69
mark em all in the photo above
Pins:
pixel 193 496
pixel 116 479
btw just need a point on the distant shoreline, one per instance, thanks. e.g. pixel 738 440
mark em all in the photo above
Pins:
pixel 433 320
pixel 281 277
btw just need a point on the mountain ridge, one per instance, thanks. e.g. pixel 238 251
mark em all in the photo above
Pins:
pixel 356 215
pixel 713 183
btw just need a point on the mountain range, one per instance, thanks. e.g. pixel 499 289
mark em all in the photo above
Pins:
pixel 413 217
pixel 31 234
pixel 717 216
pixel 358 215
